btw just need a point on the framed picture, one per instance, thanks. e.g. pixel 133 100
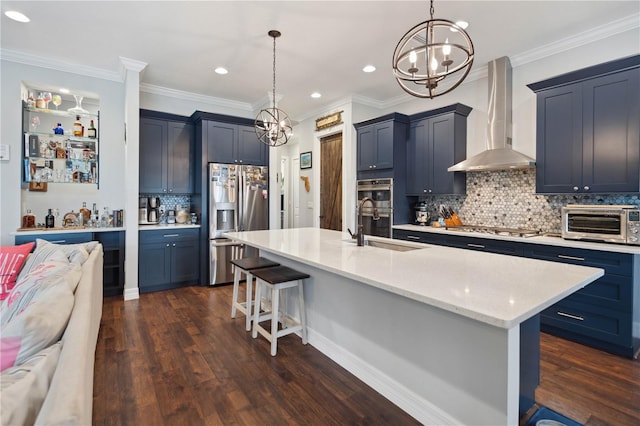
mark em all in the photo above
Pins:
pixel 305 160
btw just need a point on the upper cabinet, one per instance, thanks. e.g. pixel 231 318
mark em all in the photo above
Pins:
pixel 381 145
pixel 437 140
pixel 166 154
pixel 235 144
pixel 588 130
pixel 60 145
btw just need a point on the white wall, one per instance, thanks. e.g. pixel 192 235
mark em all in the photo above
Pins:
pixel 111 96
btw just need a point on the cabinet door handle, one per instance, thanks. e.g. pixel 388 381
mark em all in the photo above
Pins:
pixel 174 244
pixel 564 256
pixel 575 317
pixel 167 245
pixel 171 235
pixel 575 188
pixel 171 190
pixel 413 237
pixel 475 245
pixel 586 188
pixel 241 161
pixel 374 166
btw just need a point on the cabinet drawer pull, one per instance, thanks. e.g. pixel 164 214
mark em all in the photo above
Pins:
pixel 413 237
pixel 475 245
pixel 575 317
pixel 564 256
pixel 171 235
pixel 58 241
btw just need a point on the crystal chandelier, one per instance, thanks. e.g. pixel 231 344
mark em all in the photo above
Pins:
pixel 432 58
pixel 272 125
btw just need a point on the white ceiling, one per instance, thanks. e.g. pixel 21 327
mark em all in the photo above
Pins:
pixel 324 44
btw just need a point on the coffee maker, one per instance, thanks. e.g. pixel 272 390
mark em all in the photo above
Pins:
pixel 154 210
pixel 143 211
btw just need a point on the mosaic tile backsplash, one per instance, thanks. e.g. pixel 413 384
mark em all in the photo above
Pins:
pixel 508 199
pixel 169 202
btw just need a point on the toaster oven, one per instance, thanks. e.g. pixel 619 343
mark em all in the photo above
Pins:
pixel 609 224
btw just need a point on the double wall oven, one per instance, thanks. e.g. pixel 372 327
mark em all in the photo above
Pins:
pixel 381 192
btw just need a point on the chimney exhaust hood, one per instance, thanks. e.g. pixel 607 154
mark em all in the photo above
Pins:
pixel 499 155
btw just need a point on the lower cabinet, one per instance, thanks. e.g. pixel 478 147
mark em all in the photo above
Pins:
pixel 168 259
pixel 598 315
pixel 113 247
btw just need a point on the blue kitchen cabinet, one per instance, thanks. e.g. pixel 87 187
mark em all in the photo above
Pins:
pixel 166 154
pixel 437 141
pixel 588 130
pixel 168 259
pixel 381 146
pixel 231 143
pixel 470 243
pixel 112 247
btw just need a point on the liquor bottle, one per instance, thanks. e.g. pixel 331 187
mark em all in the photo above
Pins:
pixel 77 127
pixel 85 212
pixel 28 220
pixel 49 220
pixel 91 132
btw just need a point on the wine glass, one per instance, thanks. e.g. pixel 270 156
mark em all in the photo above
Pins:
pixel 78 108
pixel 46 96
pixel 57 100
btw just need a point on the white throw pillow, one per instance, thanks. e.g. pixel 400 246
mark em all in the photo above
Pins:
pixel 76 253
pixel 23 388
pixel 38 325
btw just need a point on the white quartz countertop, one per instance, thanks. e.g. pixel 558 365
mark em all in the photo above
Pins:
pixel 546 240
pixel 74 230
pixel 496 289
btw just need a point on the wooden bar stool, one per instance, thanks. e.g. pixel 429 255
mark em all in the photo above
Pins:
pixel 246 266
pixel 276 279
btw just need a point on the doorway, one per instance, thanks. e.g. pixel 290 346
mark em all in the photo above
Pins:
pixel 331 182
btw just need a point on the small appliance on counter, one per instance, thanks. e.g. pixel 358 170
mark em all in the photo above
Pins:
pixel 171 217
pixel 601 223
pixel 422 213
pixel 154 210
pixel 149 210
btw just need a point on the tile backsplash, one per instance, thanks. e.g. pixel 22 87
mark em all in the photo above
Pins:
pixel 508 199
pixel 169 202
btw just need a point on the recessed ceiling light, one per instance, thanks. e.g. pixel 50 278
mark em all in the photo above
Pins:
pixel 63 90
pixel 369 68
pixel 221 71
pixel 17 16
pixel 316 95
pixel 461 24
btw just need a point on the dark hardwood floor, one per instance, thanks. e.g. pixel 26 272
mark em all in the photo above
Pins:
pixel 177 358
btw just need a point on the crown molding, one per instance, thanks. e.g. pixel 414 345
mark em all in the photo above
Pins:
pixel 58 65
pixel 194 97
pixel 127 64
pixel 595 34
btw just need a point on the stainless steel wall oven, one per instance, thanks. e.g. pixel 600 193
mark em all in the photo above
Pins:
pixel 381 192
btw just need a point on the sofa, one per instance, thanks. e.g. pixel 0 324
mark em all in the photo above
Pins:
pixel 53 386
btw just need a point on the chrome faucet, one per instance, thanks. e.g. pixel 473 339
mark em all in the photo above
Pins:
pixel 359 235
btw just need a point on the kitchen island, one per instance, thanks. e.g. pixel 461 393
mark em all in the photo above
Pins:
pixel 437 330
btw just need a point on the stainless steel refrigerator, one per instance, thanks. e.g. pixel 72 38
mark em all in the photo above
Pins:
pixel 238 201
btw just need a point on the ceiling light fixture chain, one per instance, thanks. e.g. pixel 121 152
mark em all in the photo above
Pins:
pixel 426 63
pixel 272 125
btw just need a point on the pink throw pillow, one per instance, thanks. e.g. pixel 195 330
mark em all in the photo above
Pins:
pixel 12 259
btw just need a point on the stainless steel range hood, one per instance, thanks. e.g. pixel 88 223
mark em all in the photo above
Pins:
pixel 499 154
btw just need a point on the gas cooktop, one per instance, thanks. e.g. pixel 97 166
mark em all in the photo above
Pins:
pixel 495 230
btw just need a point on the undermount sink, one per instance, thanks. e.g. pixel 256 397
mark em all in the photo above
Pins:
pixel 386 245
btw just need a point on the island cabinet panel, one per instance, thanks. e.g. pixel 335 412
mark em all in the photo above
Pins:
pixel 235 144
pixel 381 146
pixel 113 249
pixel 166 154
pixel 588 131
pixel 600 314
pixel 470 243
pixel 437 141
pixel 168 259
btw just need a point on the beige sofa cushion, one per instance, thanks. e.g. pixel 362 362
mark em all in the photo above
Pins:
pixel 23 388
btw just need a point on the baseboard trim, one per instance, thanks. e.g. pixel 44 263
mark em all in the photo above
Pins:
pixel 131 294
pixel 421 409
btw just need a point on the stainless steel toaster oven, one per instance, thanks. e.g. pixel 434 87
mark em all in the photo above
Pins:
pixel 609 224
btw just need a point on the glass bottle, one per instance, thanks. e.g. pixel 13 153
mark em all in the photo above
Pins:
pixel 104 220
pixel 77 127
pixel 91 132
pixel 28 220
pixel 85 212
pixel 49 220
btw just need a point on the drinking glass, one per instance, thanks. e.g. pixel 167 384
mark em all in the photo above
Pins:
pixel 57 100
pixel 46 96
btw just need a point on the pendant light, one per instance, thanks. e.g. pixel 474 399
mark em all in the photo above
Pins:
pixel 272 125
pixel 432 58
